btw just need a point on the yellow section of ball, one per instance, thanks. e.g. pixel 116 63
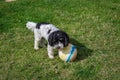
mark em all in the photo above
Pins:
pixel 66 54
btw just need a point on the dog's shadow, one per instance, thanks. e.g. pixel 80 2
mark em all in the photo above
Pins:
pixel 83 51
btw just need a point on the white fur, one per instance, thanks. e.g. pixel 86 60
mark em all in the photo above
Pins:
pixel 59 44
pixel 31 25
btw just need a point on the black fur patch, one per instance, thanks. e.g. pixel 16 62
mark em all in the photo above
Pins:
pixel 39 24
pixel 48 31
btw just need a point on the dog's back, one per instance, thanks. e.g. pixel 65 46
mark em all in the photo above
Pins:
pixel 43 28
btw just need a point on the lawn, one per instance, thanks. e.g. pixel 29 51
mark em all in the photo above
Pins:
pixel 93 26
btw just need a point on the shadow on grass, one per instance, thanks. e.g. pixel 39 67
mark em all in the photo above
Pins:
pixel 83 51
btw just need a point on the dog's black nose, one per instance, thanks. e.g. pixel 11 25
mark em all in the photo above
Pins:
pixel 58 47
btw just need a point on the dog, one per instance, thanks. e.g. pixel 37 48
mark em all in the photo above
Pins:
pixel 56 39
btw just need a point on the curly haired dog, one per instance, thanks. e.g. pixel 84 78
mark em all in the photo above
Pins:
pixel 56 38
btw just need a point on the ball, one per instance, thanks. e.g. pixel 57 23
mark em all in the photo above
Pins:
pixel 68 53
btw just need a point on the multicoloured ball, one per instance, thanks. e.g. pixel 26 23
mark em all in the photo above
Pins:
pixel 68 53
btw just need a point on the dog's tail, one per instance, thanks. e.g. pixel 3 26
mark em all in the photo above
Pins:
pixel 31 25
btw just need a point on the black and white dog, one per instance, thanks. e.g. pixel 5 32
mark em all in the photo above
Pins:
pixel 56 38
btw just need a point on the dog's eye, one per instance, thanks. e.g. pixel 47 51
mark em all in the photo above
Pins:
pixel 61 39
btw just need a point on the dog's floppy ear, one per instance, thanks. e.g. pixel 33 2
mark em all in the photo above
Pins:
pixel 50 40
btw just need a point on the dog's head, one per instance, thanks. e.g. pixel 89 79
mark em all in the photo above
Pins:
pixel 58 39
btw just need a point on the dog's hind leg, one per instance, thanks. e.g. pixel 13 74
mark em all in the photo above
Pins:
pixel 36 44
pixel 37 38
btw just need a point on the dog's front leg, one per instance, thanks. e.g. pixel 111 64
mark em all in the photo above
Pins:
pixel 50 52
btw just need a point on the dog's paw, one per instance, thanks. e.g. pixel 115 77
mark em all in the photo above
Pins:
pixel 51 57
pixel 36 48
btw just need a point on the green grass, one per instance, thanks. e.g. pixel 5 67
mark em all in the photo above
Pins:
pixel 93 26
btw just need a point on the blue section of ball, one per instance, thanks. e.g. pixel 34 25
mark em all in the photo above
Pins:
pixel 71 53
